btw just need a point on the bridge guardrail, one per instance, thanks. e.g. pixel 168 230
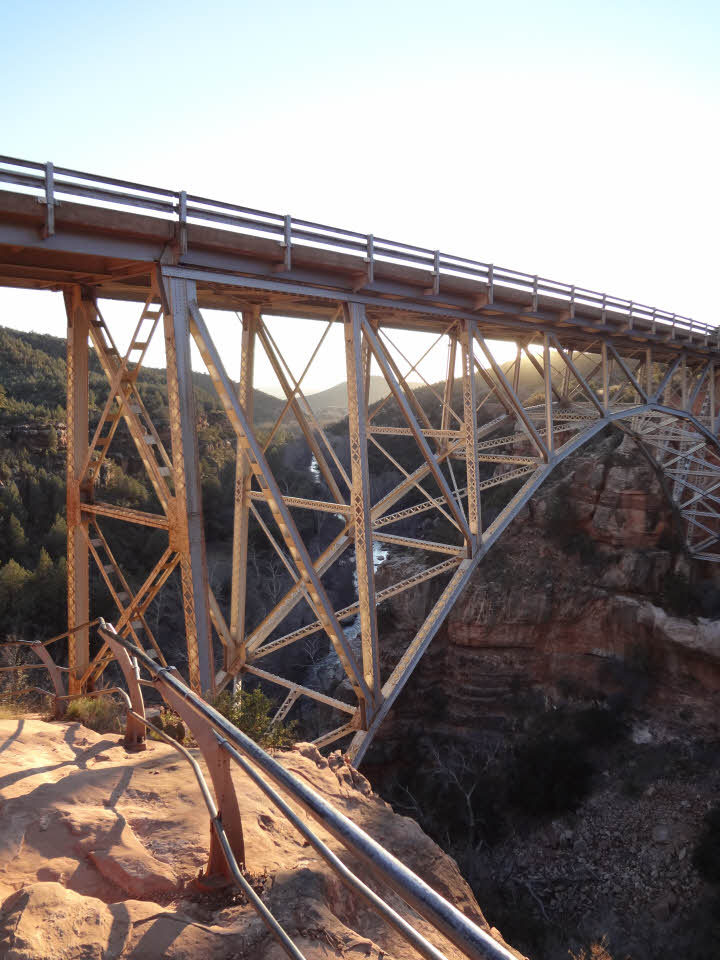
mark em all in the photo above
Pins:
pixel 49 182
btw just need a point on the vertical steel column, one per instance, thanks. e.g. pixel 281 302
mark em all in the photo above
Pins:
pixel 566 377
pixel 711 391
pixel 605 376
pixel 547 379
pixel 449 385
pixel 80 314
pixel 186 522
pixel 243 479
pixel 471 437
pixel 360 496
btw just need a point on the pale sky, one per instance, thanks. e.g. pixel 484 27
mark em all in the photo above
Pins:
pixel 578 141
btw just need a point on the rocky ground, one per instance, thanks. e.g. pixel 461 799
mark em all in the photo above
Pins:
pixel 621 865
pixel 99 849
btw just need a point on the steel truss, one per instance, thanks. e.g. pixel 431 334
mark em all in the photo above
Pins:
pixel 490 427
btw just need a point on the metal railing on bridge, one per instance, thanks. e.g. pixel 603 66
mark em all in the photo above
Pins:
pixel 49 183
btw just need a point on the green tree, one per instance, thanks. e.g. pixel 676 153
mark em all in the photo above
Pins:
pixel 56 539
pixel 16 539
pixel 251 712
pixel 52 440
pixel 45 600
pixel 14 580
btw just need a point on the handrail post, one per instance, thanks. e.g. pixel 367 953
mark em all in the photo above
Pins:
pixel 370 259
pixel 56 677
pixel 134 728
pixel 182 216
pixel 49 230
pixel 287 244
pixel 216 760
pixel 218 765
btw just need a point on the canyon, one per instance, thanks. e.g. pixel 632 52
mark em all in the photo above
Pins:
pixel 586 628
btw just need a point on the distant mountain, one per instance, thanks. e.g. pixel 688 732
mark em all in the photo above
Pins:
pixel 331 405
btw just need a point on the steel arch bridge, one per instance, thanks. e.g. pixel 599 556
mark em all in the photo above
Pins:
pixel 581 361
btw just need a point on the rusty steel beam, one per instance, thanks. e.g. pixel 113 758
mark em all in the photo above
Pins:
pixel 243 480
pixel 80 316
pixel 187 534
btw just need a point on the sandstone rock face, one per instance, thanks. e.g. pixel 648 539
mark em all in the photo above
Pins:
pixel 562 604
pixel 98 847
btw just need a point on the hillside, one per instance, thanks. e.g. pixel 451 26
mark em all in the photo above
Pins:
pixel 33 530
pixel 331 404
pixel 32 370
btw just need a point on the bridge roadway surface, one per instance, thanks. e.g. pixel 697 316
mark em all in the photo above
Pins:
pixel 304 273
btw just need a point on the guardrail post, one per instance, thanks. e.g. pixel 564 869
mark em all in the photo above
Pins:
pixel 287 244
pixel 134 728
pixel 182 215
pixel 370 259
pixel 55 676
pixel 218 765
pixel 49 200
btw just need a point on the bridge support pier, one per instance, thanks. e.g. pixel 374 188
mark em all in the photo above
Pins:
pixel 186 519
pixel 80 314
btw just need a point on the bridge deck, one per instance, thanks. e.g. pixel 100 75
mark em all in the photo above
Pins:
pixel 99 244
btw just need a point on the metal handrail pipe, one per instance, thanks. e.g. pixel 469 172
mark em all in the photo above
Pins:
pixel 415 939
pixel 45 643
pixel 103 692
pixel 231 220
pixel 112 196
pixel 94 177
pixel 28 666
pixel 237 208
pixel 29 164
pixel 476 943
pixel 114 182
pixel 277 931
pixel 19 693
pixel 268 919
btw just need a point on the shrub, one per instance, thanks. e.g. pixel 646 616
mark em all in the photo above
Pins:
pixel 101 713
pixel 706 855
pixel 251 712
pixel 597 951
pixel 170 723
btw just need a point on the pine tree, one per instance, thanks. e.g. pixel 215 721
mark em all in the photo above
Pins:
pixel 56 540
pixel 17 541
pixel 14 580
